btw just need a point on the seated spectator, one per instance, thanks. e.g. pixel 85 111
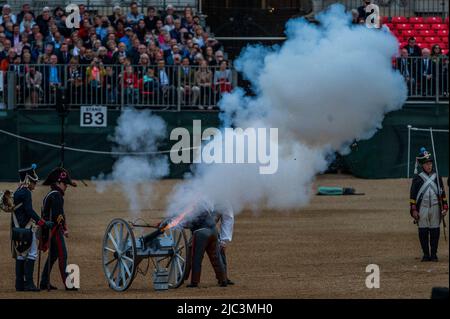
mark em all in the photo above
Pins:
pixel 170 11
pixel 111 85
pixel 130 82
pixel 27 23
pixel 198 37
pixel 103 28
pixel 22 44
pixel 413 48
pixel 362 11
pixel 16 37
pixel 209 55
pixel 134 16
pixel 169 24
pixel 203 81
pixel 187 91
pixel 176 33
pixel 427 71
pixel 63 54
pixel 74 82
pixel 440 65
pixel 33 80
pixel 121 52
pixel 223 78
pixel 116 16
pixel 128 37
pixel 26 10
pixel 355 16
pixel 141 30
pixel 166 84
pixel 6 12
pixel 95 74
pixel 150 87
pixel 151 18
pixel 218 58
pixel 43 20
pixel 406 67
pixel 9 59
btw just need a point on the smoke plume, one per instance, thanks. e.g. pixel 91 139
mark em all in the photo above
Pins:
pixel 137 131
pixel 326 86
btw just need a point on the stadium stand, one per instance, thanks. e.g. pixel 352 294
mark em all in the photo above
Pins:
pixel 153 56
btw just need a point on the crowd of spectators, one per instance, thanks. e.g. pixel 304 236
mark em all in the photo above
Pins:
pixel 167 57
pixel 425 69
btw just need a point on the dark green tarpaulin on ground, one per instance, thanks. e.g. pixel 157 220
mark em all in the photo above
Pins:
pixel 383 156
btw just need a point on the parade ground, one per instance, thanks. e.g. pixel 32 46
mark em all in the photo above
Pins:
pixel 319 251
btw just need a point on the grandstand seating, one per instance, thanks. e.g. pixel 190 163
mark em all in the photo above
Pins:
pixel 428 31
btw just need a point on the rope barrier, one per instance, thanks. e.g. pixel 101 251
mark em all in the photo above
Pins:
pixel 92 151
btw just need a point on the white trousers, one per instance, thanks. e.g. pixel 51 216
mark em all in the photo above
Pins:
pixel 429 217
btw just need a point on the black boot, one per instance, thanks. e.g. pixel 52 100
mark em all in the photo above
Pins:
pixel 46 287
pixel 424 243
pixel 29 271
pixel 434 242
pixel 20 273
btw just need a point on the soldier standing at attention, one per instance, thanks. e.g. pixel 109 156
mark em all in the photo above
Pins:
pixel 428 204
pixel 25 250
pixel 53 209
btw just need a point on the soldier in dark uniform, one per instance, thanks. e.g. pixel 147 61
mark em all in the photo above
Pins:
pixel 428 204
pixel 53 209
pixel 205 239
pixel 23 218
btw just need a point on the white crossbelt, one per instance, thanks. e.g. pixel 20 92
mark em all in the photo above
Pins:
pixel 428 182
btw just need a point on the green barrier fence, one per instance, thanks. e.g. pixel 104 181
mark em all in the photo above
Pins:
pixel 383 156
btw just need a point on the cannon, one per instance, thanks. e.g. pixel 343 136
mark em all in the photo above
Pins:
pixel 122 252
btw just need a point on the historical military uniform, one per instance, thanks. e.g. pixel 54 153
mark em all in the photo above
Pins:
pixel 53 238
pixel 23 234
pixel 205 239
pixel 427 197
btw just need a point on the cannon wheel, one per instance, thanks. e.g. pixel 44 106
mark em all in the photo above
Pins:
pixel 176 262
pixel 119 255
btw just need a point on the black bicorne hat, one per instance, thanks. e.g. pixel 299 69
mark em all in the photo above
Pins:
pixel 29 173
pixel 58 175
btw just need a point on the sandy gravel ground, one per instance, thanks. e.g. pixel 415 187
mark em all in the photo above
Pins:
pixel 320 251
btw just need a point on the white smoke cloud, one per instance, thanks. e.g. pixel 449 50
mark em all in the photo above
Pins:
pixel 326 86
pixel 137 131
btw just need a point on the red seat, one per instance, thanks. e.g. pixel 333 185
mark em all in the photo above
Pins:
pixel 416 20
pixel 403 26
pixel 422 45
pixel 403 44
pixel 444 39
pixel 426 33
pixel 409 33
pixel 421 26
pixel 446 21
pixel 432 20
pixel 439 26
pixel 399 20
pixel 445 51
pixel 390 26
pixel 420 39
pixel 385 20
pixel 442 45
pixel 442 33
pixel 431 39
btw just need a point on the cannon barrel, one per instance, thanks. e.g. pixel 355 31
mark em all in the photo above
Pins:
pixel 152 236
